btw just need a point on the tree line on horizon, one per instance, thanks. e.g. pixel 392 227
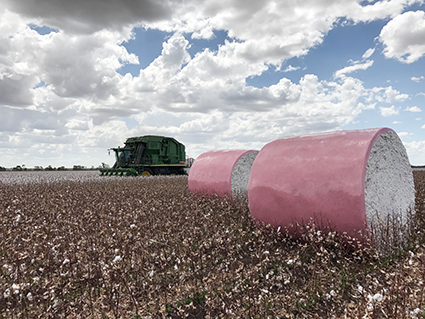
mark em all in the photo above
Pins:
pixel 51 168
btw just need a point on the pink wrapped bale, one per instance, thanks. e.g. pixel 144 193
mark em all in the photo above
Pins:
pixel 224 172
pixel 350 181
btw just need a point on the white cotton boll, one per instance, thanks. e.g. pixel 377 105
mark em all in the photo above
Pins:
pixel 378 297
pixel 8 268
pixel 65 261
pixel 6 293
pixel 132 226
pixel 15 288
pixel 29 296
pixel 416 311
pixel 290 261
pixel 117 259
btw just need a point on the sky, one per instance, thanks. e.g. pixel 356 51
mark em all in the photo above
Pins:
pixel 79 77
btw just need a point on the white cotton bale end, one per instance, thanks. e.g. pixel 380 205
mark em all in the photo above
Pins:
pixel 241 173
pixel 389 191
pixel 223 172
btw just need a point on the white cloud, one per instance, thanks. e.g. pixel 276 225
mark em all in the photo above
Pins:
pixel 417 79
pixel 271 31
pixel 403 134
pixel 368 53
pixel 290 68
pixel 78 66
pixel 387 95
pixel 91 16
pixel 416 151
pixel 79 125
pixel 404 37
pixel 376 10
pixel 413 109
pixel 388 111
pixel 352 68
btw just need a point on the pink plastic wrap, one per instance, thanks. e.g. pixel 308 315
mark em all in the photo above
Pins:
pixel 211 173
pixel 319 177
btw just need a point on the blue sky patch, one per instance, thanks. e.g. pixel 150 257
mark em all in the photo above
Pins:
pixel 42 30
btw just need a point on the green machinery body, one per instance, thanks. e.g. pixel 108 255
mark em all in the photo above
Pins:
pixel 148 155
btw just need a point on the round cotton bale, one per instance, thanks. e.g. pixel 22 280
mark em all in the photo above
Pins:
pixel 350 181
pixel 224 172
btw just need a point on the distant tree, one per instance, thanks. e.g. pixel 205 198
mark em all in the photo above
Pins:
pixel 49 168
pixel 78 167
pixel 61 168
pixel 38 168
pixel 103 165
pixel 17 168
pixel 2 168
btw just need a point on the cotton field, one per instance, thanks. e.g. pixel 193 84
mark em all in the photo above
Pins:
pixel 76 245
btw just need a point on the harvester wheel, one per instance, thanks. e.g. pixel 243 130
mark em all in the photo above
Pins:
pixel 147 172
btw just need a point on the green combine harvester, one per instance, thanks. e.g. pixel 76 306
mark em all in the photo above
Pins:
pixel 148 155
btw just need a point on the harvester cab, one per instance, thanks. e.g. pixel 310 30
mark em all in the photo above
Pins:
pixel 122 156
